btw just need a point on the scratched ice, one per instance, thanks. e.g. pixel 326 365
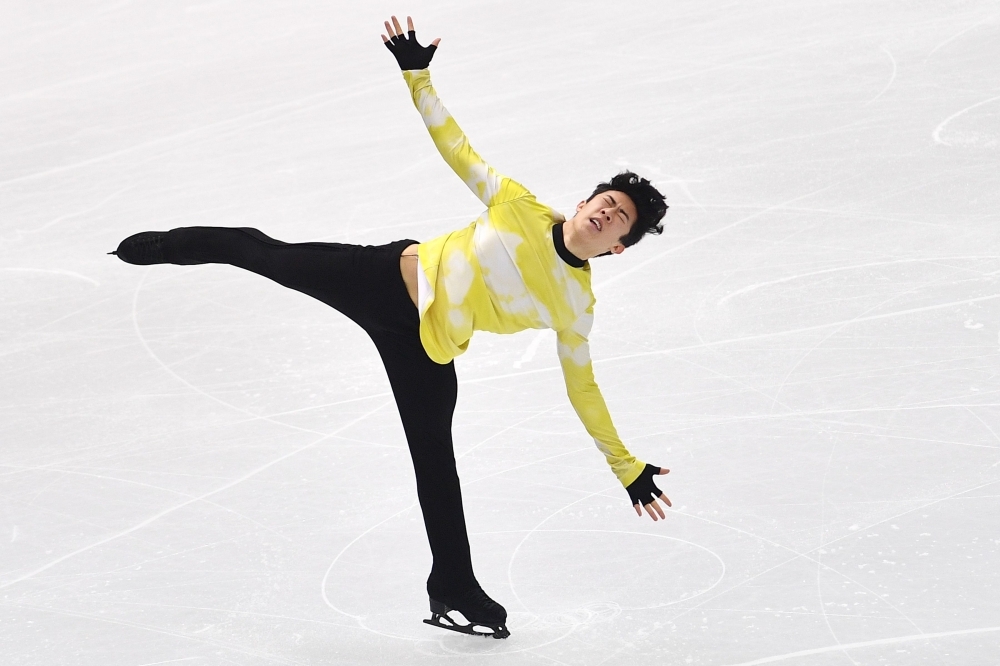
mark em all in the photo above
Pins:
pixel 200 467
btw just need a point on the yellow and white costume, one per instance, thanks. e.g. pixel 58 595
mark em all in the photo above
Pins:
pixel 502 274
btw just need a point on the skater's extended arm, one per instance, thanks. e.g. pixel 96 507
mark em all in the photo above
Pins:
pixel 490 187
pixel 586 398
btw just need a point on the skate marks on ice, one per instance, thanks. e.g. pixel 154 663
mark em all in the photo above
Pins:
pixel 187 637
pixel 813 555
pixel 702 569
pixel 863 644
pixel 853 267
pixel 20 234
pixel 210 132
pixel 967 138
pixel 204 496
pixel 198 390
pixel 367 622
pixel 177 507
pixel 582 609
pixel 805 329
pixel 892 77
pixel 53 271
pixel 959 34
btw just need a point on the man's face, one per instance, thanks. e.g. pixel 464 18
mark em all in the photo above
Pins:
pixel 601 222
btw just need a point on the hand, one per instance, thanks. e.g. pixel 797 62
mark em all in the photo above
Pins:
pixel 644 492
pixel 408 52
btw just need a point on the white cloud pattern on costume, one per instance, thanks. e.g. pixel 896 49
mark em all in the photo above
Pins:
pixel 433 113
pixel 458 276
pixel 583 324
pixel 484 181
pixel 495 250
pixel 579 355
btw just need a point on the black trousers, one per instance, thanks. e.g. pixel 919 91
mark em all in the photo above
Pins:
pixel 365 284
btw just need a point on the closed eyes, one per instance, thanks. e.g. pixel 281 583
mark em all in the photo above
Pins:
pixel 612 201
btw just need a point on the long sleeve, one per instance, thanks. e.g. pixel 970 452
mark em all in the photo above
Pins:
pixel 586 398
pixel 490 187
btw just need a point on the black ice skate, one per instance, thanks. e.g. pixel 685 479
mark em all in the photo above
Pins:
pixel 143 248
pixel 486 617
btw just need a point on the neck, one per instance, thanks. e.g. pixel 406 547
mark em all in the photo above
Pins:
pixel 575 244
pixel 560 244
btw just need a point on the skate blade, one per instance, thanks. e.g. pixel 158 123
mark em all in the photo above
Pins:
pixel 471 629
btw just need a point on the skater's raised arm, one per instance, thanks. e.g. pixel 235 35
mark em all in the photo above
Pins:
pixel 490 187
pixel 585 396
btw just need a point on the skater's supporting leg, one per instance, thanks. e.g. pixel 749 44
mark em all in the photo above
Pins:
pixel 425 395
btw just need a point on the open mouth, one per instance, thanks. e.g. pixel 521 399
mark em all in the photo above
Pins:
pixel 596 223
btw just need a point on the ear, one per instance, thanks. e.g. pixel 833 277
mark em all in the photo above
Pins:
pixel 580 205
pixel 617 248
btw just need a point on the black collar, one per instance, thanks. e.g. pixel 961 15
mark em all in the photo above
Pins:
pixel 564 254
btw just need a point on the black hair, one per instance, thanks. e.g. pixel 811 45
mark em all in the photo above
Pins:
pixel 650 205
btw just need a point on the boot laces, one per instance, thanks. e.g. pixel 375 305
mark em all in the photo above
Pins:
pixel 481 599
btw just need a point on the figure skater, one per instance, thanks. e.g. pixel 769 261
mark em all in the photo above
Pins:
pixel 519 265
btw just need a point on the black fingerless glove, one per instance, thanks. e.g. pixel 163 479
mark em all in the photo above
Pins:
pixel 643 490
pixel 409 53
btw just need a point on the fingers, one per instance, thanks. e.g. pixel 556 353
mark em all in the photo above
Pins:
pixel 654 509
pixel 664 470
pixel 410 28
pixel 395 30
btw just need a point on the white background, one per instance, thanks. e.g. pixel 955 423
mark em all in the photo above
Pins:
pixel 198 466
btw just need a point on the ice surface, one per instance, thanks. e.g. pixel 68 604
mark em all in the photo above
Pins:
pixel 198 466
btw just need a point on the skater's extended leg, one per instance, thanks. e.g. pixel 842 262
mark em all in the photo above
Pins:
pixel 350 278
